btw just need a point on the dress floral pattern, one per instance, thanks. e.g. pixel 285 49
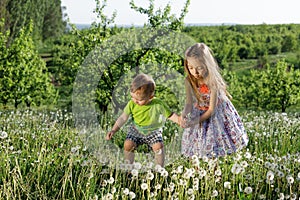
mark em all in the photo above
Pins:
pixel 223 133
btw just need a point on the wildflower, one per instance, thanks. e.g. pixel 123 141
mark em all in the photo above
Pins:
pixel 215 193
pixel 248 190
pixel 158 186
pixel 108 196
pixel 205 159
pixel 113 190
pixel 202 173
pixel 158 168
pixel 270 175
pixel 244 164
pixel 238 157
pixel 150 175
pixel 298 177
pixel 262 196
pixel 132 195
pixel 110 180
pixel 248 155
pixel 134 173
pixel 144 186
pixel 280 174
pixel 179 169
pixel 3 135
pixel 171 186
pixel 104 183
pixel 74 150
pixel 126 191
pixel 164 173
pixel 290 179
pixel 137 165
pixel 190 191
pixel 182 182
pixel 218 172
pixel 227 185
pixel 236 168
pixel 281 196
pixel 293 196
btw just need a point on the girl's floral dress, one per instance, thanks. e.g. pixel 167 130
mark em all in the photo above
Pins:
pixel 223 133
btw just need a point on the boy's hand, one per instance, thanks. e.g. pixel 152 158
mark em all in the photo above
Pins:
pixel 109 135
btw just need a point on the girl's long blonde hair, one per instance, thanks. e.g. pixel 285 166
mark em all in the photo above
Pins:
pixel 213 79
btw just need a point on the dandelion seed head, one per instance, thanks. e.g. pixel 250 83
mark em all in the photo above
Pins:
pixel 3 135
pixel 126 191
pixel 190 191
pixel 150 175
pixel 290 179
pixel 132 195
pixel 248 190
pixel 135 172
pixel 144 186
pixel 270 175
pixel 215 193
pixel 227 185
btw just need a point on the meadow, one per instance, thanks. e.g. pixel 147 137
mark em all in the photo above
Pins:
pixel 43 156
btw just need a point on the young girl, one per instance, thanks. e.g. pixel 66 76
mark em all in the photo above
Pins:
pixel 212 125
pixel 148 115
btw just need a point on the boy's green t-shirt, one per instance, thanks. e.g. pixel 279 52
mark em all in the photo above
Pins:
pixel 148 117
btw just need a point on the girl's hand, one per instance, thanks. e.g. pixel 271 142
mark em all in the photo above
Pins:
pixel 109 135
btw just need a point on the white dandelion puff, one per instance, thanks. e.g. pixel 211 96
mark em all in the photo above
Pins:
pixel 157 186
pixel 218 172
pixel 290 179
pixel 247 155
pixel 270 175
pixel 3 135
pixel 135 173
pixel 227 185
pixel 190 191
pixel 126 191
pixel 236 168
pixel 150 175
pixel 215 193
pixel 248 190
pixel 132 195
pixel 111 180
pixel 202 173
pixel 144 186
pixel 137 165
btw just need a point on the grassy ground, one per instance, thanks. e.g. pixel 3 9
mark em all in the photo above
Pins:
pixel 44 156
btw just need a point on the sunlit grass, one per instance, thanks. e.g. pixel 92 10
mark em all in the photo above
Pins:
pixel 43 156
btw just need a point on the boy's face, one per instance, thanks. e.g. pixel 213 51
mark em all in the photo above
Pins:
pixel 140 100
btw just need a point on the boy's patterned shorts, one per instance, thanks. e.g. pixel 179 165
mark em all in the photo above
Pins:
pixel 139 138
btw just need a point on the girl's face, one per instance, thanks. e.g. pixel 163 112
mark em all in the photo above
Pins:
pixel 140 100
pixel 196 68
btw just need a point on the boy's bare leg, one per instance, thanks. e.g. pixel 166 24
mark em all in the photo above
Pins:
pixel 129 147
pixel 158 149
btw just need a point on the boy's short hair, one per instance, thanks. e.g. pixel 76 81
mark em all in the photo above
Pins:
pixel 143 85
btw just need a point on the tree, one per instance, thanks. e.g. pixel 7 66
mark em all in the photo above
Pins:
pixel 46 16
pixel 24 77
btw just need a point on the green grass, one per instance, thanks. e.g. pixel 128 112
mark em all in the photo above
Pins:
pixel 44 156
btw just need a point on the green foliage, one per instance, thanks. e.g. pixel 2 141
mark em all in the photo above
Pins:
pixel 273 88
pixel 24 77
pixel 237 42
pixel 46 16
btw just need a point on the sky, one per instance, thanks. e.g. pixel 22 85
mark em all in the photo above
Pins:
pixel 199 11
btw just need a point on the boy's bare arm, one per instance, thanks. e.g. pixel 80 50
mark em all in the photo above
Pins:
pixel 176 118
pixel 118 124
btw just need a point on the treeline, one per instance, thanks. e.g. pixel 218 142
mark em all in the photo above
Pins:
pixel 47 16
pixel 27 79
pixel 234 43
